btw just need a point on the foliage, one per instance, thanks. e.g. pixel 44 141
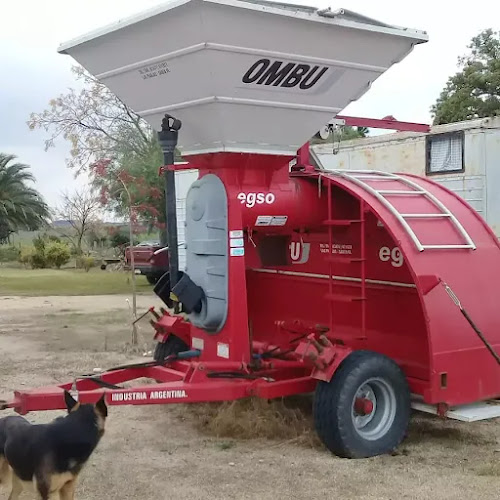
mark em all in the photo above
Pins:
pixel 9 253
pixel 38 259
pixel 39 243
pixel 21 206
pixel 100 127
pixel 119 239
pixel 5 231
pixel 345 133
pixel 26 256
pixel 46 251
pixel 86 262
pixel 133 179
pixel 474 91
pixel 93 120
pixel 57 254
pixel 122 240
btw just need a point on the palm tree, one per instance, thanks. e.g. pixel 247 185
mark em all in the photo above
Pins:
pixel 21 206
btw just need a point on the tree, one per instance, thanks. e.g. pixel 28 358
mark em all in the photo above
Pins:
pixel 99 126
pixel 94 120
pixel 80 210
pixel 122 183
pixel 474 91
pixel 140 177
pixel 21 206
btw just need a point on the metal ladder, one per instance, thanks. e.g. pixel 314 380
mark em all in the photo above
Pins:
pixel 357 260
pixel 359 177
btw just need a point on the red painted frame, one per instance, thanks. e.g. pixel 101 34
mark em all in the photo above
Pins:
pixel 388 122
pixel 290 326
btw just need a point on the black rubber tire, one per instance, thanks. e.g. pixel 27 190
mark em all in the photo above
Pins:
pixel 152 280
pixel 333 406
pixel 172 345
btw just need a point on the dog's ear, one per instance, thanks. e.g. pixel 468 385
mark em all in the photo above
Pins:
pixel 101 407
pixel 71 402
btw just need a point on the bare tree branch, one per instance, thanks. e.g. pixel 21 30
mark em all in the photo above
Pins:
pixel 94 121
pixel 80 210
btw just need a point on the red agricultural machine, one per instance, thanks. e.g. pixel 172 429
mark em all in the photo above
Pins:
pixel 377 291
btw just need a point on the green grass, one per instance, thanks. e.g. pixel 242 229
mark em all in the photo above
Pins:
pixel 40 282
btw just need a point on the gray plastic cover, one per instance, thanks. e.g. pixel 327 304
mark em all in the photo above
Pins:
pixel 206 249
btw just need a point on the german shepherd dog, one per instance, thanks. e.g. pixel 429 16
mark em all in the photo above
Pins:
pixel 47 458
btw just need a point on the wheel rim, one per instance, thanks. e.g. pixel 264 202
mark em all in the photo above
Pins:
pixel 373 409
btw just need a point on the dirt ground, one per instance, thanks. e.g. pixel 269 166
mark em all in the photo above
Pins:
pixel 150 452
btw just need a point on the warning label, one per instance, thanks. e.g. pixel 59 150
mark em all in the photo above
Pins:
pixel 154 70
pixel 236 242
pixel 337 248
pixel 237 252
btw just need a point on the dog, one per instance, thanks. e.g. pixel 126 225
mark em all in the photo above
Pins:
pixel 48 458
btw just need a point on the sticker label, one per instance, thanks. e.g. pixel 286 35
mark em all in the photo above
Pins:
pixel 337 248
pixel 236 242
pixel 197 343
pixel 279 220
pixel 271 220
pixel 222 350
pixel 236 234
pixel 237 252
pixel 263 220
pixel 154 70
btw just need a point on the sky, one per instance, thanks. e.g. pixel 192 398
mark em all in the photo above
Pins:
pixel 32 72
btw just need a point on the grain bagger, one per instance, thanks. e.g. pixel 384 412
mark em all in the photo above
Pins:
pixel 376 291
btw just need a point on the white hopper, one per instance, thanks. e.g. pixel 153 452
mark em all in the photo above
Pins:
pixel 243 76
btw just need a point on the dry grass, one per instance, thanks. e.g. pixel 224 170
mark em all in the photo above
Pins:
pixel 253 418
pixel 446 433
pixel 290 419
pixel 491 469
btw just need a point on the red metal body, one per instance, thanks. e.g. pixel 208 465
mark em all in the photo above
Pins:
pixel 389 122
pixel 352 277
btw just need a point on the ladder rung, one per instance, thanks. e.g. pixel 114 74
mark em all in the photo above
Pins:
pixel 399 191
pixel 373 177
pixel 425 216
pixel 341 222
pixel 359 176
pixel 447 246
